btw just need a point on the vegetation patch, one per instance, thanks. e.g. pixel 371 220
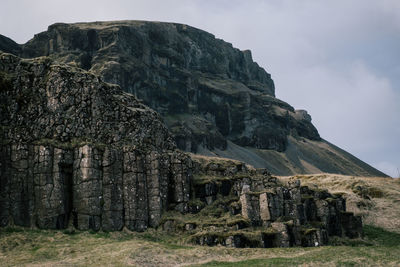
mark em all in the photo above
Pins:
pixel 214 214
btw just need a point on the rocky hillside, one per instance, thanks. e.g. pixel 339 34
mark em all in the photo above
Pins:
pixel 235 205
pixel 78 152
pixel 214 99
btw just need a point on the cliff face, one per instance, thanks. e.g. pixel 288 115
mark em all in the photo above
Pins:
pixel 207 91
pixel 214 99
pixel 75 150
pixel 78 152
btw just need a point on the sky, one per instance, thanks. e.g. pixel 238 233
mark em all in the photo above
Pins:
pixel 339 60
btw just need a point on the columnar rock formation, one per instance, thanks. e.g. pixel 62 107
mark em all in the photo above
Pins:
pixel 75 150
pixel 91 188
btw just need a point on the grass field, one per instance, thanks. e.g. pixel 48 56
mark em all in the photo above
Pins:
pixel 24 247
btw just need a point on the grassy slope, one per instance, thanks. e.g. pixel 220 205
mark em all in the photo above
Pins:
pixel 301 156
pixel 381 245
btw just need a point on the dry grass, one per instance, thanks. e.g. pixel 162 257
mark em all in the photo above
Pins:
pixel 211 158
pixel 48 248
pixel 218 160
pixel 377 199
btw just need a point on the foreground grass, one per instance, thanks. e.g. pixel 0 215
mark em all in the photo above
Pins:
pixel 378 248
pixel 22 247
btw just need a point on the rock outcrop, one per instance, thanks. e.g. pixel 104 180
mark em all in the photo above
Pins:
pixel 75 150
pixel 214 99
pixel 238 206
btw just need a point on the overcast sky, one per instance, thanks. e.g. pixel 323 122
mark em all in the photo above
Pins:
pixel 339 60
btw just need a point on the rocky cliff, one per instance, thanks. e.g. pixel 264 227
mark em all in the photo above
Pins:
pixel 214 99
pixel 206 90
pixel 77 151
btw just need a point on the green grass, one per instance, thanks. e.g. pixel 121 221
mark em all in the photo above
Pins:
pixel 381 237
pixel 379 247
pixel 26 247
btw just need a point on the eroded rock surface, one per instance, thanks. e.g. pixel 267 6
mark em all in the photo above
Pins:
pixel 77 151
pixel 238 206
pixel 207 91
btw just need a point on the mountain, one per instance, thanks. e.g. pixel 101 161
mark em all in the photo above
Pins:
pixel 9 46
pixel 78 152
pixel 213 98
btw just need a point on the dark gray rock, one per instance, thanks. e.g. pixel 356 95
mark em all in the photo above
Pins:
pixel 265 212
pixel 77 151
pixel 206 90
pixel 9 46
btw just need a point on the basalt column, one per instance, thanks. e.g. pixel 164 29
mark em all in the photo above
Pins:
pixel 52 175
